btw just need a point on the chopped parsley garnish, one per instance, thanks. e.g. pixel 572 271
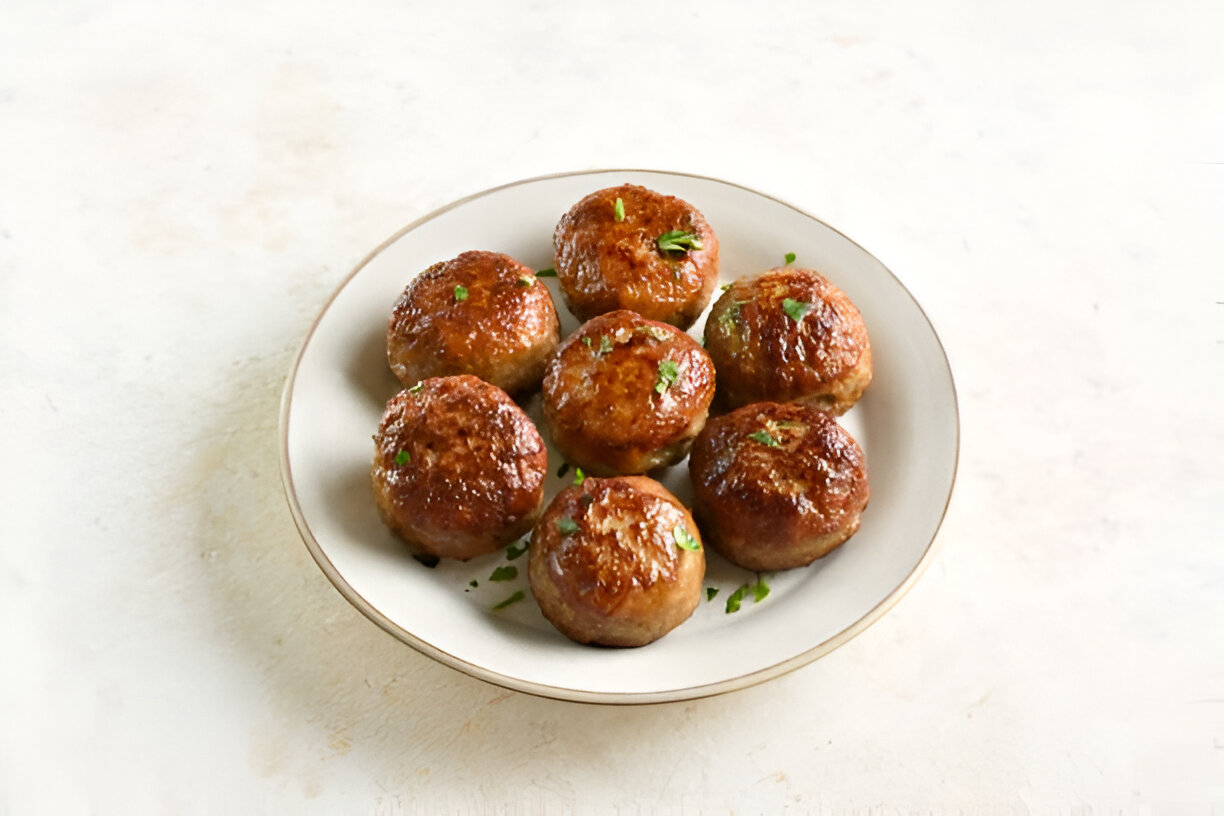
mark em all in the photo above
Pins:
pixel 790 258
pixel 765 438
pixel 473 583
pixel 760 589
pixel 795 309
pixel 402 458
pixel 619 211
pixel 416 389
pixel 515 598
pixel 759 592
pixel 514 551
pixel 669 372
pixel 724 287
pixel 526 282
pixel 711 592
pixel 684 539
pixel 547 273
pixel 460 294
pixel 679 241
pixel 605 344
pixel 504 573
pixel 579 476
pixel 566 525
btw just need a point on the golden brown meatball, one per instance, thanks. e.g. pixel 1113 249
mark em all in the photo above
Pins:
pixel 458 468
pixel 777 486
pixel 480 313
pixel 604 263
pixel 624 394
pixel 788 335
pixel 616 562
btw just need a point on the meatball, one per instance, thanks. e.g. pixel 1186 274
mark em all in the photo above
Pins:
pixel 624 394
pixel 616 562
pixel 777 485
pixel 654 254
pixel 458 468
pixel 480 313
pixel 788 335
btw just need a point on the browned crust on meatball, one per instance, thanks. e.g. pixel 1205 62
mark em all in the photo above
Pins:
pixel 502 326
pixel 603 264
pixel 605 565
pixel 606 402
pixel 777 486
pixel 458 468
pixel 762 354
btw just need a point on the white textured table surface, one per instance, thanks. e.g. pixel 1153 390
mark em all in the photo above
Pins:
pixel 183 185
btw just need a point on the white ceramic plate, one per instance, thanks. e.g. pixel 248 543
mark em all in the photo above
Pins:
pixel 906 422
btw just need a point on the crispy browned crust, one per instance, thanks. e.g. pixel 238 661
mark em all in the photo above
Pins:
pixel 474 477
pixel 618 578
pixel 766 507
pixel 600 397
pixel 604 265
pixel 762 354
pixel 503 331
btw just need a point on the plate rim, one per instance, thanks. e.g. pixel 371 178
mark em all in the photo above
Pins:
pixel 543 690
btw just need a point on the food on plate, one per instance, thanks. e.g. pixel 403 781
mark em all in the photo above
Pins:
pixel 787 335
pixel 458 468
pixel 480 313
pixel 629 247
pixel 777 485
pixel 624 394
pixel 616 562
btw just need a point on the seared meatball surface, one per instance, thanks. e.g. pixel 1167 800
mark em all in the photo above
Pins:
pixel 480 313
pixel 458 468
pixel 777 486
pixel 624 394
pixel 785 335
pixel 605 264
pixel 616 562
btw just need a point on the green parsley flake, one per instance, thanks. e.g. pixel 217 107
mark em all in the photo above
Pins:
pixel 795 309
pixel 402 458
pixel 460 294
pixel 684 539
pixel 765 438
pixel 724 287
pixel 579 476
pixel 711 592
pixel 547 273
pixel 760 589
pixel 526 282
pixel 679 241
pixel 504 573
pixel 790 258
pixel 735 599
pixel 619 211
pixel 416 389
pixel 515 598
pixel 605 344
pixel 669 372
pixel 513 551
pixel 473 583
pixel 566 525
